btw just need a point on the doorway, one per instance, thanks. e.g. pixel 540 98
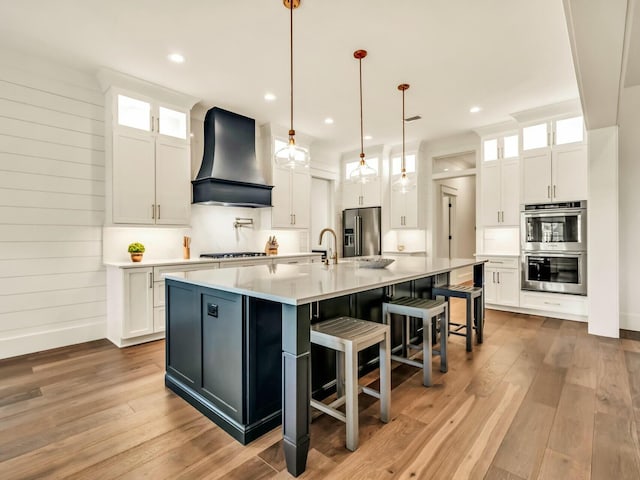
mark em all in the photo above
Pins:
pixel 447 226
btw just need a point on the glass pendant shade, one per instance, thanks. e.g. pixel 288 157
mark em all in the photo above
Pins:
pixel 292 156
pixel 405 183
pixel 363 173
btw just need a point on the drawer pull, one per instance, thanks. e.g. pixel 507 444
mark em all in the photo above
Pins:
pixel 553 303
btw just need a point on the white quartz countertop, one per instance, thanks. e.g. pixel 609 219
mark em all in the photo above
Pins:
pixel 510 254
pixel 198 260
pixel 305 283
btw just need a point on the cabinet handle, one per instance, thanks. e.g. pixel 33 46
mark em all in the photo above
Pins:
pixel 498 216
pixel 158 212
pixel 554 191
pixel 150 279
pixel 502 216
pixel 152 123
pixel 548 191
pixel 548 139
pixel 294 218
pixel 493 276
pixel 553 136
pixel 153 211
pixel 498 275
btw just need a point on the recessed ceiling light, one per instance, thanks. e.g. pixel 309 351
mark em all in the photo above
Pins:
pixel 474 109
pixel 328 121
pixel 269 97
pixel 176 58
pixel 446 169
pixel 368 137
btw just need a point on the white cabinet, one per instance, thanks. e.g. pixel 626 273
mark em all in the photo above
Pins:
pixel 500 180
pixel 147 154
pixel 501 281
pixel 404 209
pixel 554 161
pixel 151 162
pixel 291 199
pixel 138 301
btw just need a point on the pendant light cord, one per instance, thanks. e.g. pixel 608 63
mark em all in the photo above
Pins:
pixel 291 131
pixel 361 121
pixel 404 166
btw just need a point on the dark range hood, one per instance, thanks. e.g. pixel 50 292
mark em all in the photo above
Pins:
pixel 230 174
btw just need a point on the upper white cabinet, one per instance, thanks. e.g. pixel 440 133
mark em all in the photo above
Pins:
pixel 554 161
pixel 148 161
pixel 291 195
pixel 499 189
pixel 355 195
pixel 404 206
pixel 291 198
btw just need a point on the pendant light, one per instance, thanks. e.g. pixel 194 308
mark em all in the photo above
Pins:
pixel 292 155
pixel 404 183
pixel 363 173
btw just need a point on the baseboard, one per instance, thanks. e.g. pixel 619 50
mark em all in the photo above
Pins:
pixel 630 334
pixel 629 321
pixel 21 344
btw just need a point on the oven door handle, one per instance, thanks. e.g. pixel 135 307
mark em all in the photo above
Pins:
pixel 553 213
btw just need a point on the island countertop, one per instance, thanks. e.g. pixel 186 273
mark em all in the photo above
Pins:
pixel 302 284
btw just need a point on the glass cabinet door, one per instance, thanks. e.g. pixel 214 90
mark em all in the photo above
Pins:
pixel 535 136
pixel 172 123
pixel 490 150
pixel 134 113
pixel 569 130
pixel 510 147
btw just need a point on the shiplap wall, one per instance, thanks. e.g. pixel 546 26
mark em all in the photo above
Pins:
pixel 52 281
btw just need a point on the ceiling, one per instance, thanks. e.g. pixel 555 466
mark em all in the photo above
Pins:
pixel 502 55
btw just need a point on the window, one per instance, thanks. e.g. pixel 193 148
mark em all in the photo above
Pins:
pixel 134 113
pixel 410 164
pixel 510 148
pixel 569 130
pixel 534 136
pixel 173 123
pixel 490 150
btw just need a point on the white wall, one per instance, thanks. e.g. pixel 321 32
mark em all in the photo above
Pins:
pixel 603 231
pixel 629 204
pixel 52 282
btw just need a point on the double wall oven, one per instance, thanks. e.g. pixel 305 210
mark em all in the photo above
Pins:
pixel 554 247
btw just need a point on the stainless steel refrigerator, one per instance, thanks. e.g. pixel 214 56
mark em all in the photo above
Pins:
pixel 361 233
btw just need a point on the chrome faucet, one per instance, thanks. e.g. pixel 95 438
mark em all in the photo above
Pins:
pixel 334 258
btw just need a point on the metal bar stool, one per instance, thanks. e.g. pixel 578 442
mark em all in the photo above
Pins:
pixel 348 336
pixel 426 309
pixel 474 320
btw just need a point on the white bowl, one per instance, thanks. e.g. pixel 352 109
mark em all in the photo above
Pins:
pixel 375 262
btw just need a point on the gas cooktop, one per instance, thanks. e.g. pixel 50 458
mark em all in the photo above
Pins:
pixel 233 255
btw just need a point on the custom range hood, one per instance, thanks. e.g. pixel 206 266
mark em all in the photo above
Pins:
pixel 230 174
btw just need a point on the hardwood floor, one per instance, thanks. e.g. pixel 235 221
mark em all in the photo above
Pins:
pixel 540 399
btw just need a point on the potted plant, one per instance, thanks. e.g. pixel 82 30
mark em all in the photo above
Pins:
pixel 136 250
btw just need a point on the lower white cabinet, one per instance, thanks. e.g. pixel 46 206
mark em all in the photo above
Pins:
pixel 138 302
pixel 501 281
pixel 555 302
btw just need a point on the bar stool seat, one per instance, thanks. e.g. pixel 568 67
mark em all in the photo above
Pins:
pixel 348 336
pixel 474 317
pixel 425 309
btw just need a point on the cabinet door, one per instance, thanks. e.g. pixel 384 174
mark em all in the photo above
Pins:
pixel 371 194
pixel 536 176
pixel 508 287
pixel 569 173
pixel 490 286
pixel 138 302
pixel 159 319
pixel 222 352
pixel 490 197
pixel 133 178
pixel 510 192
pixel 398 208
pixel 173 183
pixel 301 199
pixel 281 215
pixel 351 195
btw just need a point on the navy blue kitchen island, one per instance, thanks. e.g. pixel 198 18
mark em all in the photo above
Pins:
pixel 238 339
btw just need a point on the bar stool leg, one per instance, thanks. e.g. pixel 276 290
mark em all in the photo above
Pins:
pixel 444 334
pixel 479 318
pixel 426 351
pixel 351 403
pixel 385 379
pixel 340 374
pixel 469 325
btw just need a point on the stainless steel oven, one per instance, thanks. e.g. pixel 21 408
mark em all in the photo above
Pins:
pixel 559 272
pixel 554 227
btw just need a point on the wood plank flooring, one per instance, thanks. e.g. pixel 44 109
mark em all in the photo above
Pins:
pixel 540 399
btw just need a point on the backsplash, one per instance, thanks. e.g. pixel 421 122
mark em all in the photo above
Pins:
pixel 211 230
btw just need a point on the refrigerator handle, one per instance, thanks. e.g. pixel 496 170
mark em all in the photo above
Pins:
pixel 358 239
